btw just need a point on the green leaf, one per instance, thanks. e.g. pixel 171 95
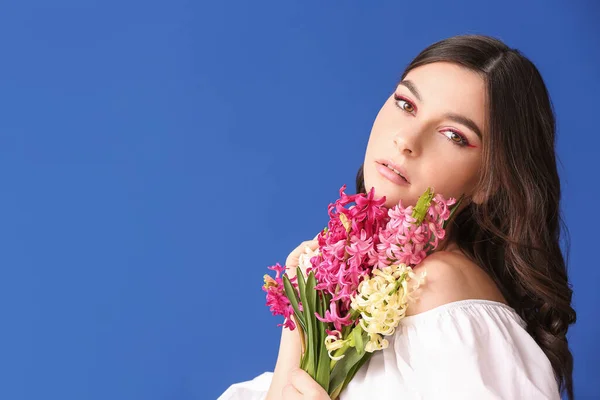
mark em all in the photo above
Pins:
pixel 422 206
pixel 355 369
pixel 341 370
pixel 318 324
pixel 309 363
pixel 292 296
pixel 339 352
pixel 358 334
pixel 323 357
pixel 300 278
pixel 311 297
pixel 311 293
pixel 334 394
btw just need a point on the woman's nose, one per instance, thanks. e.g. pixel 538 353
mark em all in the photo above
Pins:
pixel 407 143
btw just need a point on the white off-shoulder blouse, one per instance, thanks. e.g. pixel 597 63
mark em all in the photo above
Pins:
pixel 469 349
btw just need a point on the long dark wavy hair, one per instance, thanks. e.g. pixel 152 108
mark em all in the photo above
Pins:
pixel 515 235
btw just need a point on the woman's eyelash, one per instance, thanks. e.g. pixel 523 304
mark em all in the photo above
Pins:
pixel 398 98
pixel 463 141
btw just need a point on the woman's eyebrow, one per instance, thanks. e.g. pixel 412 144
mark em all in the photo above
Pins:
pixel 468 122
pixel 413 89
pixel 461 119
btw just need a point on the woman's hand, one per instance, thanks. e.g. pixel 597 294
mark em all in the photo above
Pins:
pixel 302 386
pixel 293 259
pixel 290 346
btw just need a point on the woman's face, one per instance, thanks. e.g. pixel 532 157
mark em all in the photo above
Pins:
pixel 430 129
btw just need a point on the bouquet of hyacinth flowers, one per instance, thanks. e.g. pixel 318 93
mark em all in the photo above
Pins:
pixel 358 283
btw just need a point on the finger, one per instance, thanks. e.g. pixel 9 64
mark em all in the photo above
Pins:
pixel 308 243
pixel 290 392
pixel 304 384
pixel 312 244
pixel 292 261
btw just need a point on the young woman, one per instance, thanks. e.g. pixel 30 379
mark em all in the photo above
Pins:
pixel 469 116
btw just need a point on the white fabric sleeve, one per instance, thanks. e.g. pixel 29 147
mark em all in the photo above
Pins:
pixel 467 350
pixel 255 389
pixel 472 349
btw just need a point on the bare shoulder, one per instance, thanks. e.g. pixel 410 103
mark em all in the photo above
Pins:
pixel 451 277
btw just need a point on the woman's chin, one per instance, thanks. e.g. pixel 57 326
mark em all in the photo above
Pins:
pixel 391 198
pixel 393 194
pixel 391 202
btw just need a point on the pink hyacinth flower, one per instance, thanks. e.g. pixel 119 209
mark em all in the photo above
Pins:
pixel 277 301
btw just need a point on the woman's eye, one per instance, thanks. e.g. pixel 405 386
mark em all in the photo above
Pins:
pixel 404 105
pixel 408 107
pixel 455 138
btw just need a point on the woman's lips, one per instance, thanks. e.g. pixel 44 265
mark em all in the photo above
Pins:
pixel 391 175
pixel 395 168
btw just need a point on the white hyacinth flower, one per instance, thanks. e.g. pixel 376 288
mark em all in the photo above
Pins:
pixel 382 301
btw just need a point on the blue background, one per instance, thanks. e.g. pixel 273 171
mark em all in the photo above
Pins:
pixel 156 157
